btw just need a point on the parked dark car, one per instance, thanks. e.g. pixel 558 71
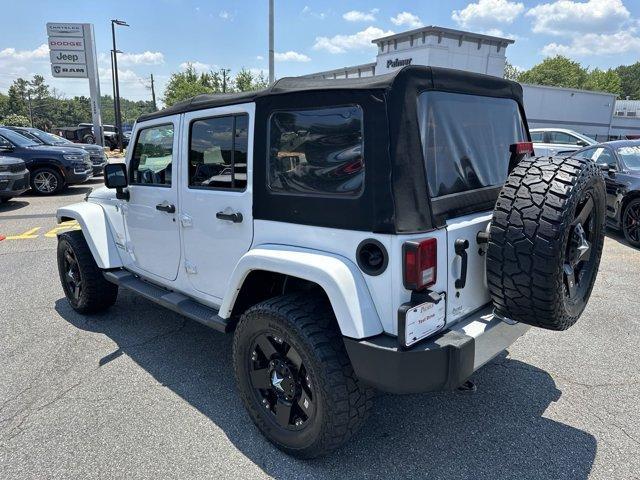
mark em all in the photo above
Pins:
pixel 620 161
pixel 51 168
pixel 83 133
pixel 96 152
pixel 14 178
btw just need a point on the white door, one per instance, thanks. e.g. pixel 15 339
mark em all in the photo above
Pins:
pixel 216 198
pixel 153 237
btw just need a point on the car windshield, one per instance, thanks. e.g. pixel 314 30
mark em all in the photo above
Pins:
pixel 17 139
pixel 49 138
pixel 630 155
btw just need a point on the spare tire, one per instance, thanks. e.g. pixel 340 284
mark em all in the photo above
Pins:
pixel 545 241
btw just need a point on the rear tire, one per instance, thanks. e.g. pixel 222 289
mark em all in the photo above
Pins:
pixel 89 139
pixel 82 281
pixel 47 181
pixel 546 240
pixel 296 338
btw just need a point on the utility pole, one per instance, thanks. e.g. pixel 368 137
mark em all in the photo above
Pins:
pixel 271 54
pixel 224 79
pixel 153 93
pixel 30 109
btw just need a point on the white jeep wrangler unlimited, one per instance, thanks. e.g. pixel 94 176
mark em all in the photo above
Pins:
pixel 388 233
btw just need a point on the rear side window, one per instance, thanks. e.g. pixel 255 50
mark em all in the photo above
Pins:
pixel 317 151
pixel 218 152
pixel 561 138
pixel 537 137
pixel 466 140
pixel 152 159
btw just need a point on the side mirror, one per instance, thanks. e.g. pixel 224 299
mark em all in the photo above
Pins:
pixel 581 143
pixel 115 176
pixel 610 168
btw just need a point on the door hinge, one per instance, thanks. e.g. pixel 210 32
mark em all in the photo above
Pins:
pixel 185 220
pixel 190 268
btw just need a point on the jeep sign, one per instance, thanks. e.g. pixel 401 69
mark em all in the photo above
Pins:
pixel 65 43
pixel 67 56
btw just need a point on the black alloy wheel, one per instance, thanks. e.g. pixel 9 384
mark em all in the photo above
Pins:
pixel 631 222
pixel 579 267
pixel 281 381
pixel 72 276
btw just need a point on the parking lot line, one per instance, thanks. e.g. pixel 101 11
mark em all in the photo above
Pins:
pixel 33 232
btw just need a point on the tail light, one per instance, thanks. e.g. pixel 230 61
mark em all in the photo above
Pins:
pixel 420 263
pixel 518 152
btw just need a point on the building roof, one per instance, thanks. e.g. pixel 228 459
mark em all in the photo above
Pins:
pixel 451 32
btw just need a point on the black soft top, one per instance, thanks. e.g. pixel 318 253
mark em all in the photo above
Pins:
pixel 430 78
pixel 395 198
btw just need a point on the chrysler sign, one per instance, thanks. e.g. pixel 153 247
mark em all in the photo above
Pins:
pixel 64 30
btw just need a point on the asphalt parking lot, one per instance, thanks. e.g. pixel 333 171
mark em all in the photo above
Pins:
pixel 139 392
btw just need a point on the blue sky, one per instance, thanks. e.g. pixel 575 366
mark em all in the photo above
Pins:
pixel 310 36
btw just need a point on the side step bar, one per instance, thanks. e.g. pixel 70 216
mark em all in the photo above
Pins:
pixel 177 302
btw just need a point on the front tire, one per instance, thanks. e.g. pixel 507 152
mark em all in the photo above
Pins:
pixel 82 281
pixel 631 222
pixel 295 378
pixel 47 181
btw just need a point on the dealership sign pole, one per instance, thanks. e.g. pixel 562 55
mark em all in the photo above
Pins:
pixel 72 50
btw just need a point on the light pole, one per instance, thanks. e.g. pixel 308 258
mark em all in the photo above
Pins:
pixel 116 95
pixel 271 54
pixel 113 82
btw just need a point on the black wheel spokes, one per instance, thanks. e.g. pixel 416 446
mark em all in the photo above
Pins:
pixel 72 274
pixel 281 381
pixel 579 249
pixel 632 222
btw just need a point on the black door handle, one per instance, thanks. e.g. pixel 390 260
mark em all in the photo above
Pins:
pixel 166 207
pixel 231 217
pixel 460 246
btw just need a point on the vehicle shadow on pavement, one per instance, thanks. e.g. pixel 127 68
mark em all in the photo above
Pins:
pixel 618 236
pixel 13 204
pixel 498 432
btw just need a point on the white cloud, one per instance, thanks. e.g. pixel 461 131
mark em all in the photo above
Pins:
pixel 595 44
pixel 225 15
pixel 24 55
pixel 259 57
pixel 566 17
pixel 343 43
pixel 144 58
pixel 358 16
pixel 311 13
pixel 487 13
pixel 291 56
pixel 408 19
pixel 199 67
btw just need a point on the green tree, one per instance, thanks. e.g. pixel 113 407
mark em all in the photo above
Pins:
pixel 187 84
pixel 556 71
pixel 4 105
pixel 630 80
pixel 246 81
pixel 16 120
pixel 511 72
pixel 603 81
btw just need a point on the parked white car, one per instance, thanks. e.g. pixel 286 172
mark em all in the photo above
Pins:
pixel 558 141
pixel 389 233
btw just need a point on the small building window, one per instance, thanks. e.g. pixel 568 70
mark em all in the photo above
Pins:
pixel 218 152
pixel 317 151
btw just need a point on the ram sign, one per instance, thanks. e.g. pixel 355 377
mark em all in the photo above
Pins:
pixel 69 71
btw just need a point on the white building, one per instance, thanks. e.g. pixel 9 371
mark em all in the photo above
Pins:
pixel 596 114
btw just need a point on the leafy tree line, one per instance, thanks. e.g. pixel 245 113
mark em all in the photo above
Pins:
pixel 34 99
pixel 188 83
pixel 560 71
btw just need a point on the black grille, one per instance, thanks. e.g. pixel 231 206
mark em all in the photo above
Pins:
pixel 20 184
pixel 16 167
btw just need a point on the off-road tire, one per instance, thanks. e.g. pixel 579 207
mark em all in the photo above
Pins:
pixel 59 179
pixel 307 322
pixel 529 235
pixel 89 139
pixel 96 294
pixel 4 199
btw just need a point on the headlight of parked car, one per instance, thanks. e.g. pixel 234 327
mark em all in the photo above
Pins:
pixel 73 156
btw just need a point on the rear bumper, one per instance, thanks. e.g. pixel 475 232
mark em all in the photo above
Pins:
pixel 14 184
pixel 442 362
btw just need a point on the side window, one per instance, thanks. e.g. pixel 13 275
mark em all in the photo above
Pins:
pixel 152 156
pixel 218 152
pixel 317 151
pixel 537 137
pixel 562 138
pixel 5 143
pixel 587 154
pixel 603 156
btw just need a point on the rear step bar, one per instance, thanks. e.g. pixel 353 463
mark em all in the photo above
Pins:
pixel 177 302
